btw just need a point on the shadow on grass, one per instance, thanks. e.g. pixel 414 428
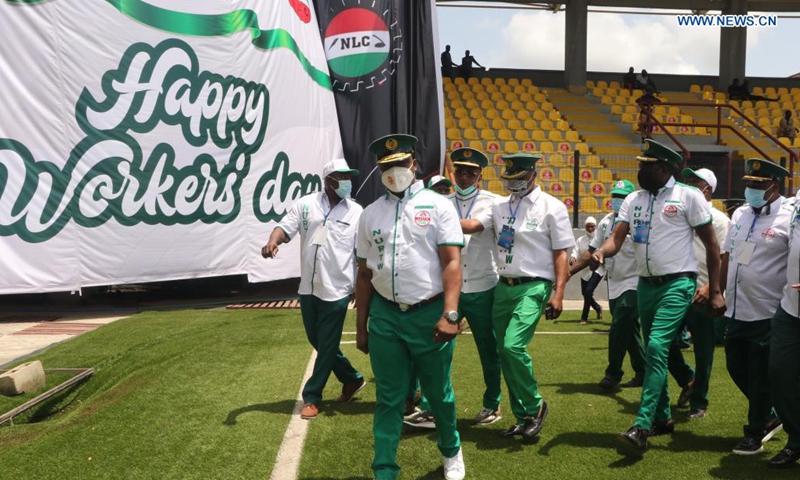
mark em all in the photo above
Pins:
pixel 628 407
pixel 286 407
pixel 433 474
pixel 734 467
pixel 488 437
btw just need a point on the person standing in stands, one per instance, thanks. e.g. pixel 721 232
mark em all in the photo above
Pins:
pixel 447 64
pixel 698 321
pixel 326 222
pixel 664 217
pixel 589 279
pixel 466 65
pixel 784 351
pixel 629 80
pixel 533 235
pixel 624 335
pixel 408 284
pixel 756 252
pixel 479 273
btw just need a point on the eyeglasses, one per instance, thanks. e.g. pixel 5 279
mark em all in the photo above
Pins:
pixel 467 173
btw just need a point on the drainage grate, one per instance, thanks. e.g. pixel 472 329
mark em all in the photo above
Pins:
pixel 59 328
pixel 274 305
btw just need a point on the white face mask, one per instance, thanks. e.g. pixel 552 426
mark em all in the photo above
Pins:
pixel 517 188
pixel 397 179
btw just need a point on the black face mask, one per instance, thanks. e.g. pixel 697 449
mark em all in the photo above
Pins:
pixel 648 180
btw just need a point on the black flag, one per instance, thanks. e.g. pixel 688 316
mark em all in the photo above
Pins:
pixel 385 75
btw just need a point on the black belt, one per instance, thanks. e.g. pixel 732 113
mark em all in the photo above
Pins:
pixel 667 278
pixel 405 307
pixel 514 281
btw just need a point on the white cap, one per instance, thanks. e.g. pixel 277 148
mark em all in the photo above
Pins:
pixel 439 179
pixel 338 165
pixel 590 220
pixel 703 174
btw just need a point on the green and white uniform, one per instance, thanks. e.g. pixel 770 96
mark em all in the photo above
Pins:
pixel 327 279
pixel 541 225
pixel 479 273
pixel 400 238
pixel 624 335
pixel 662 228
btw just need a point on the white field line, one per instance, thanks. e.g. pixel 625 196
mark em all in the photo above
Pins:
pixel 287 462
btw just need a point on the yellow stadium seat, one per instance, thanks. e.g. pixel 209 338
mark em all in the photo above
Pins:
pixel 600 93
pixel 473 81
pixel 598 189
pixel 462 87
pixel 601 84
pixel 453 134
pixel 764 122
pixel 605 175
pixel 553 115
pixel 589 84
pixel 464 123
pixel 471 104
pixel 453 96
pixel 538 135
pixel 530 124
pixel 588 205
pixel 564 148
pixel 487 104
pixel 492 114
pixel 489 174
pixel 624 93
pixel 529 146
pixel 521 135
pixel 546 106
pixel 498 123
pixel 532 106
pixel 562 125
pixel 614 84
pixel 525 97
pixel 547 174
pixel 460 113
pixel 539 115
pixel 526 82
pixel 481 123
pixel 504 134
pixel 708 88
pixel 477 88
pixel 593 161
pixel 486 82
pixel 481 96
pixel 555 136
pixel 510 97
pixel 770 92
pixel 508 115
pixel 488 134
pixel 514 124
pixel 496 97
pixel 539 98
pixel 583 148
pixel 476 113
pixel 533 90
pixel 796 142
pixel 455 145
pixel 511 147
pixel 546 125
pixel 616 109
pixel 516 106
pixel 566 174
pixel 501 105
pixel 720 97
pixel 782 91
pixel 557 160
pixel 572 136
pixel 513 82
pixel 505 89
pixel 523 115
pixel 493 146
pixel 547 147
pixel 449 122
pixel 470 134
pixel 476 144
pixel 695 89
pixel 786 141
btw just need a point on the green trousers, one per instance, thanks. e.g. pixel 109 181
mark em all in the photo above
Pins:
pixel 323 322
pixel 624 336
pixel 516 312
pixel 661 309
pixel 400 345
pixel 784 372
pixel 477 308
pixel 702 327
pixel 747 357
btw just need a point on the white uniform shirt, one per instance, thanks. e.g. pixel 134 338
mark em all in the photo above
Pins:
pixel 791 301
pixel 720 222
pixel 327 271
pixel 583 243
pixel 478 268
pixel 621 269
pixel 662 227
pixel 541 225
pixel 400 239
pixel 754 290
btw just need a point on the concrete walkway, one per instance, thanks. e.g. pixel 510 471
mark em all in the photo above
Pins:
pixel 23 334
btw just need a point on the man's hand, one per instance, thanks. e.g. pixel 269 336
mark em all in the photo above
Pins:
pixel 270 250
pixel 445 331
pixel 554 308
pixel 717 304
pixel 597 259
pixel 362 340
pixel 796 286
pixel 701 296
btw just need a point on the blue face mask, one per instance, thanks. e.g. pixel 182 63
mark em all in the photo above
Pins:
pixel 616 204
pixel 465 191
pixel 755 197
pixel 344 189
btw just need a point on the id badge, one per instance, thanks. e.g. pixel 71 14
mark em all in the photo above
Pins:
pixel 745 253
pixel 641 232
pixel 506 239
pixel 320 235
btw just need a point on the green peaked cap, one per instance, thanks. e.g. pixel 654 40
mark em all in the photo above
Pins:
pixel 396 147
pixel 623 187
pixel 518 164
pixel 760 170
pixel 653 151
pixel 469 157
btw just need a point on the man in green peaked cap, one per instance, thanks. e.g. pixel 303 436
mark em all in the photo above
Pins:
pixel 624 335
pixel 756 252
pixel 408 250
pixel 532 235
pixel 663 217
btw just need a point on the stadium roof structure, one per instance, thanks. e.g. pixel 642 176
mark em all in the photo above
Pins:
pixel 695 6
pixel 733 41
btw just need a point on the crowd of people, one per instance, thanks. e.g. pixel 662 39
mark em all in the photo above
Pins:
pixel 421 263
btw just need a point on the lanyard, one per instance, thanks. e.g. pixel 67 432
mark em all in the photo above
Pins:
pixel 513 215
pixel 753 226
pixel 458 206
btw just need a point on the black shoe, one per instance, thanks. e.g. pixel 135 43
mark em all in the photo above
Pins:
pixel 786 458
pixel 533 426
pixel 661 428
pixel 608 383
pixel 635 437
pixel 635 382
pixel 513 431
pixel 686 393
pixel 748 446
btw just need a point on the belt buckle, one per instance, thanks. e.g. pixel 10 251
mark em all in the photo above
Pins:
pixel 510 281
pixel 404 307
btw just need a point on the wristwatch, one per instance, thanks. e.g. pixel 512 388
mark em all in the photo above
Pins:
pixel 451 316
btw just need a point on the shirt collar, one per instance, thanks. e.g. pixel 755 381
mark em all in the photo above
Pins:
pixel 468 197
pixel 534 194
pixel 769 208
pixel 414 189
pixel 670 183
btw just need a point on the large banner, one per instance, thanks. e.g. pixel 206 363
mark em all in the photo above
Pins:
pixel 147 140
pixel 384 64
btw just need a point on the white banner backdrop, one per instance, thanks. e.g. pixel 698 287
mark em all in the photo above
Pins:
pixel 147 140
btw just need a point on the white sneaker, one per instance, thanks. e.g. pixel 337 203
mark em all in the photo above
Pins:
pixel 454 468
pixel 420 419
pixel 487 416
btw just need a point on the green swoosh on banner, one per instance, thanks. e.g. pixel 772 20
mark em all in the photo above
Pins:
pixel 200 25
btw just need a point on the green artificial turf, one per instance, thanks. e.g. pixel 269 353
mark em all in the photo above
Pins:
pixel 206 394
